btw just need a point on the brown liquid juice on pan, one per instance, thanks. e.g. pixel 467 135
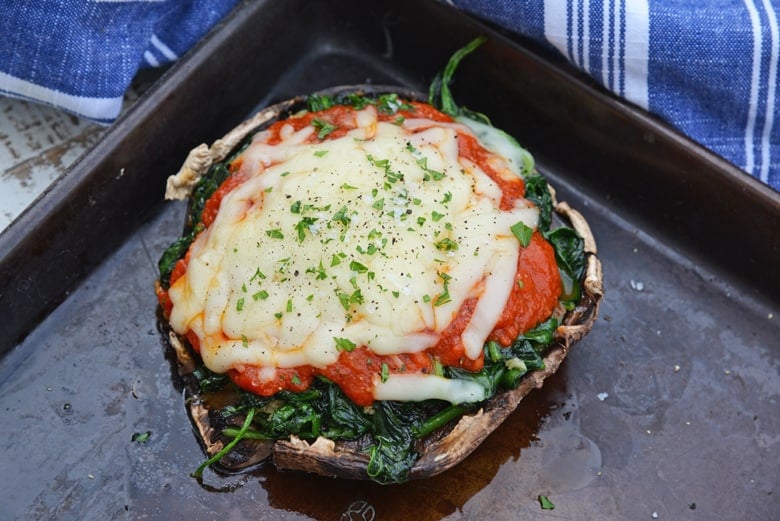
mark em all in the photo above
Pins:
pixel 538 446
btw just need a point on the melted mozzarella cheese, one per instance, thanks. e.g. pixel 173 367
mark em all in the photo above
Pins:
pixel 372 239
pixel 419 387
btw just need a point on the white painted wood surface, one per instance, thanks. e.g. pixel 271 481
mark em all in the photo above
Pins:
pixel 37 144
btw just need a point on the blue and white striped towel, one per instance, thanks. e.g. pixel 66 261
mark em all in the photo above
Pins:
pixel 81 55
pixel 709 68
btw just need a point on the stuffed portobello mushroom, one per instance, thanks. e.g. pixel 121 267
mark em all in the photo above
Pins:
pixel 368 284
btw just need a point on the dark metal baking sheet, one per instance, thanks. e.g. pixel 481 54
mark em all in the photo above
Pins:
pixel 668 408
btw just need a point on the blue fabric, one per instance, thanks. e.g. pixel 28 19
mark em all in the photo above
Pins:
pixel 81 55
pixel 708 68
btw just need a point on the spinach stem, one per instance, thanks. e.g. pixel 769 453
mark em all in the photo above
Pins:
pixel 439 419
pixel 227 448
pixel 232 432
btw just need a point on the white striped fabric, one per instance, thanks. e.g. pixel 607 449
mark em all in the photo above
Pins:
pixel 96 108
pixel 708 68
pixel 159 53
pixel 618 51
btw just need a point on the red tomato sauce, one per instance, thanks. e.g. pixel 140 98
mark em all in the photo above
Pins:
pixel 534 294
pixel 532 298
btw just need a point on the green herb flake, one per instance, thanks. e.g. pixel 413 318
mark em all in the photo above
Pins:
pixel 276 233
pixel 344 344
pixel 341 216
pixel 545 503
pixel 436 216
pixel 446 244
pixel 289 305
pixel 296 207
pixel 357 267
pixel 319 271
pixel 385 372
pixel 443 297
pixel 141 437
pixel 522 232
pixel 240 304
pixel 346 186
pixel 278 315
pixel 260 295
pixel 244 341
pixel 324 128
pixel 320 153
pixel 303 225
pixel 356 297
pixel 343 298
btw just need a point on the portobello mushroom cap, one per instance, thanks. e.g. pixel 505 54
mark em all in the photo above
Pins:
pixel 441 449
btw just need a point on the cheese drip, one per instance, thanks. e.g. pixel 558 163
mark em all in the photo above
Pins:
pixel 375 238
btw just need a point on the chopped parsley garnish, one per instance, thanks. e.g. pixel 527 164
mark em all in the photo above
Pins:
pixel 141 437
pixel 319 271
pixel 324 128
pixel 545 503
pixel 344 344
pixel 303 225
pixel 444 296
pixel 343 298
pixel 341 216
pixel 522 232
pixel 276 233
pixel 446 244
pixel 358 267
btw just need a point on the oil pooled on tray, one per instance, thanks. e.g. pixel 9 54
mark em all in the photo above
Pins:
pixel 539 449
